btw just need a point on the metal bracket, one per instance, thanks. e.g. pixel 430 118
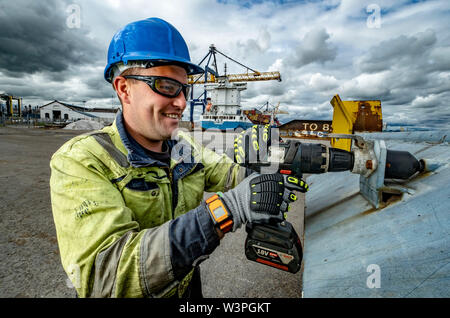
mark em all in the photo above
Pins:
pixel 371 186
pixel 359 141
pixel 371 183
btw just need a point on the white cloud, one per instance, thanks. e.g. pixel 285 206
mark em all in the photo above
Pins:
pixel 321 82
pixel 426 101
pixel 366 86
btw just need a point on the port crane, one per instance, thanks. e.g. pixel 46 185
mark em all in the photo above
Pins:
pixel 276 111
pixel 212 75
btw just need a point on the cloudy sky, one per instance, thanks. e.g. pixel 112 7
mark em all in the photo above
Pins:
pixel 394 51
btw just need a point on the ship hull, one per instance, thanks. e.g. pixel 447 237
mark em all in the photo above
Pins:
pixel 225 125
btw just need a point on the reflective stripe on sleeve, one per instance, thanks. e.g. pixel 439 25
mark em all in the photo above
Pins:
pixel 106 264
pixel 155 263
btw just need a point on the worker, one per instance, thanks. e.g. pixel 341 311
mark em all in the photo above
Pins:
pixel 127 200
pixel 208 104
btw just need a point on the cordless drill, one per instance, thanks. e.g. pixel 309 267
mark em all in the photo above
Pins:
pixel 278 245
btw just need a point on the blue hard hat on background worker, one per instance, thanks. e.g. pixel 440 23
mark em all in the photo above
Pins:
pixel 153 42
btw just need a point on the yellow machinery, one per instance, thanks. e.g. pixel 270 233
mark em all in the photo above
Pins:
pixel 9 104
pixel 246 77
pixel 212 74
pixel 348 117
pixel 352 116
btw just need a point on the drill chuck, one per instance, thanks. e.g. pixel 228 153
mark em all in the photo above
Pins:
pixel 318 158
pixel 313 158
pixel 340 160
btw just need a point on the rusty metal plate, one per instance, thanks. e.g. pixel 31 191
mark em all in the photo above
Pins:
pixel 368 116
pixel 305 129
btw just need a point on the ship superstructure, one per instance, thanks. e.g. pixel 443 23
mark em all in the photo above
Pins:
pixel 223 109
pixel 221 98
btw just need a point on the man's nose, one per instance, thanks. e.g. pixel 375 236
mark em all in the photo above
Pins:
pixel 180 101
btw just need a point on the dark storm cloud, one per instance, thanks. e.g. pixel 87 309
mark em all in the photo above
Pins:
pixel 314 48
pixel 415 56
pixel 408 70
pixel 97 87
pixel 399 51
pixel 35 37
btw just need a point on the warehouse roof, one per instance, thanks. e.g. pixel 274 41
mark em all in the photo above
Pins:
pixel 84 109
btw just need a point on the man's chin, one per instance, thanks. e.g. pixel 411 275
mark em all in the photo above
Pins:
pixel 170 133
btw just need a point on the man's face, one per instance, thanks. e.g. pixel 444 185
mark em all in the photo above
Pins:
pixel 147 114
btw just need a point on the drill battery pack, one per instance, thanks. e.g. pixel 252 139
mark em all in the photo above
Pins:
pixel 275 245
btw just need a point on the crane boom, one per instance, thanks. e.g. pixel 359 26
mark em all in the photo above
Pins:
pixel 246 77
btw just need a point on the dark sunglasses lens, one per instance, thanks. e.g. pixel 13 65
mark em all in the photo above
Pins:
pixel 167 87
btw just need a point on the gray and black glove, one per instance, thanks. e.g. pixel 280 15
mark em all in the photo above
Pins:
pixel 251 145
pixel 262 198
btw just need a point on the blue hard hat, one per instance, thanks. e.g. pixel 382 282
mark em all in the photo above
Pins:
pixel 153 40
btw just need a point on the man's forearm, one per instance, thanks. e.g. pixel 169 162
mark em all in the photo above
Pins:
pixel 193 238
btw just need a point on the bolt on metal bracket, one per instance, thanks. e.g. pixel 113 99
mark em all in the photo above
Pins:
pixel 371 187
pixel 370 164
pixel 359 141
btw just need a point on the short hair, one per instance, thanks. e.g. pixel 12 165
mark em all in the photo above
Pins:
pixel 128 71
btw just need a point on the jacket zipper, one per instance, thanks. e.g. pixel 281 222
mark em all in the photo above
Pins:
pixel 174 188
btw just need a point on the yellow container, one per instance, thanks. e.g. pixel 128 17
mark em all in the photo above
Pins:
pixel 354 116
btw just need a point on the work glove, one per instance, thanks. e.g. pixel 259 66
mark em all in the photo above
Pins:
pixel 262 198
pixel 251 145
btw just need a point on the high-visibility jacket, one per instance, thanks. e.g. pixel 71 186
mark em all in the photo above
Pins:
pixel 127 225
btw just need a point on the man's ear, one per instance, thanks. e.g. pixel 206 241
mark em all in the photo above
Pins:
pixel 122 87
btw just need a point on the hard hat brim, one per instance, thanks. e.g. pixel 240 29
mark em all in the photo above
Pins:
pixel 191 68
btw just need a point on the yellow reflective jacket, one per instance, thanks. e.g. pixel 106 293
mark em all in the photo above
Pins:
pixel 114 212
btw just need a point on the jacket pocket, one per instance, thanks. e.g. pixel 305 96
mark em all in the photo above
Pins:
pixel 141 185
pixel 147 201
pixel 192 187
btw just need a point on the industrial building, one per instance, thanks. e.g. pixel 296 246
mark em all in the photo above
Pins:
pixel 57 111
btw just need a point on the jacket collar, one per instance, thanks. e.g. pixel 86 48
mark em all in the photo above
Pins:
pixel 138 157
pixel 136 153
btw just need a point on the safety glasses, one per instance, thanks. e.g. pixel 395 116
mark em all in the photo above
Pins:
pixel 164 86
